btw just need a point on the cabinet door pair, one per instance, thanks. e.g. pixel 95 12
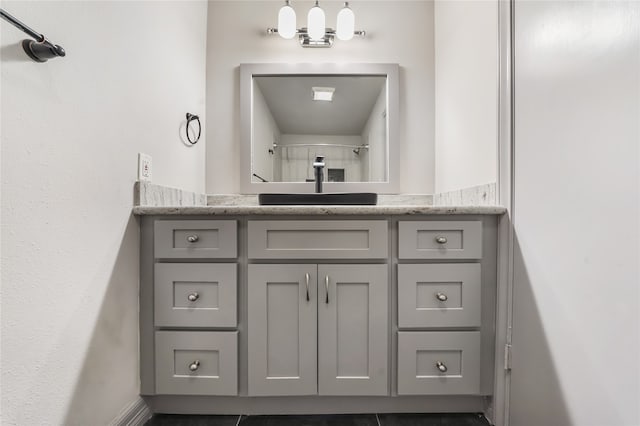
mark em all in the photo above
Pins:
pixel 318 329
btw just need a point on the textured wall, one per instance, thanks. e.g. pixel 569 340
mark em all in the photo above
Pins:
pixel 397 32
pixel 71 131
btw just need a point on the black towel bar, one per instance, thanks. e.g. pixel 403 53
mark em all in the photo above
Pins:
pixel 39 50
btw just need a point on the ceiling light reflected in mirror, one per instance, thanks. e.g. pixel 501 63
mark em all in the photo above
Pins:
pixel 323 93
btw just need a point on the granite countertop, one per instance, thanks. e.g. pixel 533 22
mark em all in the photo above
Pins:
pixel 158 200
pixel 219 210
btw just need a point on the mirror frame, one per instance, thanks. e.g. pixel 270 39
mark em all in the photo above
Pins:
pixel 248 71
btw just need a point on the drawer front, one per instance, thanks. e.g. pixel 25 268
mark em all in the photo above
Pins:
pixel 318 239
pixel 439 295
pixel 438 363
pixel 195 295
pixel 196 239
pixel 196 363
pixel 440 240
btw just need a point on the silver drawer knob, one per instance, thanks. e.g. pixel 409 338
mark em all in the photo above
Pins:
pixel 193 297
pixel 441 240
pixel 441 297
pixel 194 365
pixel 441 367
pixel 193 238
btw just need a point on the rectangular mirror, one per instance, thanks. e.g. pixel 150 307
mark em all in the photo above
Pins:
pixel 292 113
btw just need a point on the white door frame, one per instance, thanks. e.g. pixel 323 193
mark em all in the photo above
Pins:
pixel 498 411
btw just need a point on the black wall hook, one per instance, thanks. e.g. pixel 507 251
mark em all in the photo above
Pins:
pixel 190 118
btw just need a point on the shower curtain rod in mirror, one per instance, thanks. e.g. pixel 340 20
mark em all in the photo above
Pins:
pixel 275 145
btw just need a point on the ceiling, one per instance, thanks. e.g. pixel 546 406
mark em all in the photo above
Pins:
pixel 290 99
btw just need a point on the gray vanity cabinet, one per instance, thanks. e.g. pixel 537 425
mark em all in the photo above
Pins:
pixel 317 329
pixel 362 313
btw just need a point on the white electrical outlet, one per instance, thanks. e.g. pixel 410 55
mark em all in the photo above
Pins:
pixel 144 167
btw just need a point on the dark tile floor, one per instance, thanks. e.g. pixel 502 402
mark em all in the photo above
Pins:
pixel 323 420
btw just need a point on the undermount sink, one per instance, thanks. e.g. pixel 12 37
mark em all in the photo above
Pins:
pixel 324 198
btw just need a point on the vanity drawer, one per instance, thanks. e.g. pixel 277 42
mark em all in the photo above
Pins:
pixel 196 239
pixel 195 295
pixel 439 295
pixel 440 240
pixel 438 363
pixel 318 239
pixel 196 363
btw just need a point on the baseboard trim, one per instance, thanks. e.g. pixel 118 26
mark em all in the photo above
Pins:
pixel 135 414
pixel 306 405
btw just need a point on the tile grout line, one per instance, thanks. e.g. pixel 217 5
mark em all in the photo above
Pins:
pixel 378 419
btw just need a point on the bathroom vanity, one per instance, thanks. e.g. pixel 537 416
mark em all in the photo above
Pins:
pixel 289 309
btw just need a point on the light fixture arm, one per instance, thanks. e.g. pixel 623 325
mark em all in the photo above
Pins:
pixel 327 41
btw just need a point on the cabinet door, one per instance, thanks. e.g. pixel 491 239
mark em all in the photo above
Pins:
pixel 353 329
pixel 282 329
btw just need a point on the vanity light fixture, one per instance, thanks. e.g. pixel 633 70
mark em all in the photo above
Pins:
pixel 316 34
pixel 323 93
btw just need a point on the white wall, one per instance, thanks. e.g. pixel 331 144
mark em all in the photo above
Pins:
pixel 466 90
pixel 397 32
pixel 576 330
pixel 71 131
pixel 265 133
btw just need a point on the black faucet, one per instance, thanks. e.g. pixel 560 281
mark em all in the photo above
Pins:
pixel 318 165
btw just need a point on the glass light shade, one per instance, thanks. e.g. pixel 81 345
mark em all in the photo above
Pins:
pixel 346 24
pixel 287 22
pixel 316 23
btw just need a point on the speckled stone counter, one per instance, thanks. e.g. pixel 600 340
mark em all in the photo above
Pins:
pixel 154 199
pixel 318 210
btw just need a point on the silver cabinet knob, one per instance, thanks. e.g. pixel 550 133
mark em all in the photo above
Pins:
pixel 441 240
pixel 441 367
pixel 193 297
pixel 193 238
pixel 441 297
pixel 194 365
